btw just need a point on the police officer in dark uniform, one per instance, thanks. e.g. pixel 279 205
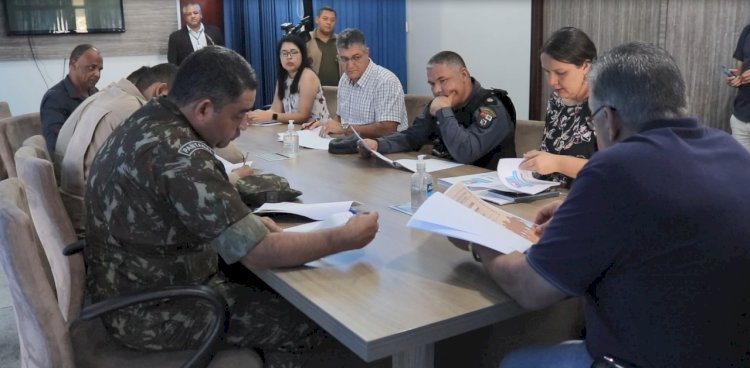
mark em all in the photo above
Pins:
pixel 464 122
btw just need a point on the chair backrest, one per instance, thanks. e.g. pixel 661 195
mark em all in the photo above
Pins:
pixel 54 228
pixel 528 135
pixel 331 95
pixel 38 143
pixel 43 333
pixel 4 110
pixel 414 105
pixel 13 131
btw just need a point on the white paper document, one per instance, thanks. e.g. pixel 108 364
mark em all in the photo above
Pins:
pixel 228 166
pixel 314 211
pixel 481 184
pixel 410 164
pixel 310 138
pixel 337 219
pixel 520 180
pixel 460 214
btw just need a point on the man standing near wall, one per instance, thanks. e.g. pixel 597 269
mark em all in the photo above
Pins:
pixel 322 48
pixel 84 70
pixel 194 36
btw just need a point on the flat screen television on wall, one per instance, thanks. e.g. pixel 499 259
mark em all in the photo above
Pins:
pixel 44 17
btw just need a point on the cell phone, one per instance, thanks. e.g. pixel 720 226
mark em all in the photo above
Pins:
pixel 727 72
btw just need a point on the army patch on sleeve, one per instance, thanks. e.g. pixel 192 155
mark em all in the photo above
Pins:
pixel 189 148
pixel 486 115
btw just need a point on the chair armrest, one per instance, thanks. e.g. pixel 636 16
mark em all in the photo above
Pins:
pixel 218 303
pixel 74 248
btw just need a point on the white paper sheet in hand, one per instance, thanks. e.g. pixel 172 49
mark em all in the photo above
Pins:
pixel 463 223
pixel 337 219
pixel 315 211
pixel 520 180
pixel 228 166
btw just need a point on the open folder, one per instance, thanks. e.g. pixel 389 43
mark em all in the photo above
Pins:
pixel 460 214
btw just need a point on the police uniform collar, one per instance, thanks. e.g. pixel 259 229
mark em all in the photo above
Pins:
pixel 476 87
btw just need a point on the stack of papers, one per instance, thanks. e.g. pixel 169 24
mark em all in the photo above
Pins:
pixel 460 214
pixel 335 220
pixel 518 180
pixel 314 211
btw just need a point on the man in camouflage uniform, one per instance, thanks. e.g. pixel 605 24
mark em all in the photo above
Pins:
pixel 161 212
pixel 465 122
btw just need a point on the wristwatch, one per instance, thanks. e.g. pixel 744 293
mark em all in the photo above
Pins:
pixel 275 116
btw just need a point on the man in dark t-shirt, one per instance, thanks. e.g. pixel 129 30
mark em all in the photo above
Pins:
pixel 58 103
pixel 653 236
pixel 740 120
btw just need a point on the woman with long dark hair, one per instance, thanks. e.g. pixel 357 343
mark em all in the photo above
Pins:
pixel 298 95
pixel 568 140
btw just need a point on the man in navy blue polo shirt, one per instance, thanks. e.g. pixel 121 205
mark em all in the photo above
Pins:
pixel 85 67
pixel 654 235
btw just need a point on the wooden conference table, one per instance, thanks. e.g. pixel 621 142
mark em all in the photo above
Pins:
pixel 405 290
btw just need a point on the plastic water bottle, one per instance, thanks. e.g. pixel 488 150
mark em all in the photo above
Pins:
pixel 421 185
pixel 291 141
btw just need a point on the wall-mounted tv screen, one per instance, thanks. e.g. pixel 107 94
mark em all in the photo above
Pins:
pixel 36 17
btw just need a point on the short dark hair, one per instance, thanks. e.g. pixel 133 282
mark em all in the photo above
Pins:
pixel 163 73
pixel 448 58
pixel 80 50
pixel 349 37
pixel 570 45
pixel 642 81
pixel 213 72
pixel 136 74
pixel 283 74
pixel 325 8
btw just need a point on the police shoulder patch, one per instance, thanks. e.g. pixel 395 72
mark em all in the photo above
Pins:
pixel 486 115
pixel 189 148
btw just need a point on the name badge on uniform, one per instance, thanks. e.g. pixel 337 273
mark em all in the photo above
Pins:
pixel 486 115
pixel 189 148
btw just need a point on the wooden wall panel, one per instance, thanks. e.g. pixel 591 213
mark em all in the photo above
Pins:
pixel 702 35
pixel 607 22
pixel 148 24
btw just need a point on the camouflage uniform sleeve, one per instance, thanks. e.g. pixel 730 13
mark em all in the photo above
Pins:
pixel 207 203
pixel 490 124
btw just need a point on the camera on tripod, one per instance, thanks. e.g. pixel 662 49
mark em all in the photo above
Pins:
pixel 300 29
